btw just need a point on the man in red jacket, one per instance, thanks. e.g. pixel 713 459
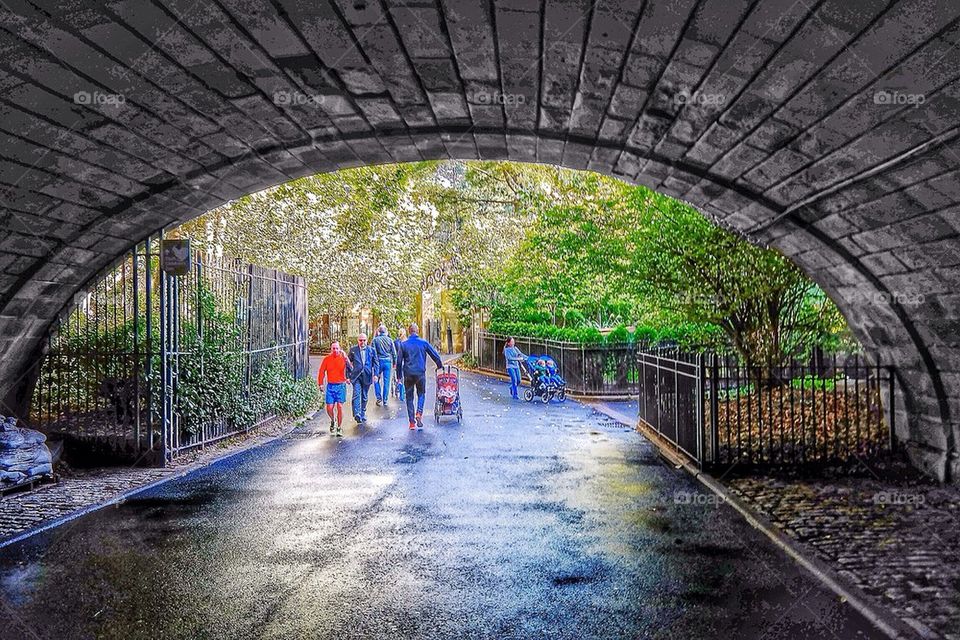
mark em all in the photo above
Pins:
pixel 334 367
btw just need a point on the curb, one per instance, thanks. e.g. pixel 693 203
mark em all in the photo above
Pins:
pixel 129 493
pixel 888 623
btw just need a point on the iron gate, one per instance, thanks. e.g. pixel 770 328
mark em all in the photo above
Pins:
pixel 112 378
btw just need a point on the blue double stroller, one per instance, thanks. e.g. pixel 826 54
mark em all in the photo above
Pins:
pixel 545 380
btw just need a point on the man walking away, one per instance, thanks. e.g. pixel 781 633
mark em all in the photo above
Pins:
pixel 386 356
pixel 400 391
pixel 334 367
pixel 364 371
pixel 413 362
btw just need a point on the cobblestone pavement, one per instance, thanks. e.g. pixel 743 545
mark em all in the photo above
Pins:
pixel 80 489
pixel 897 540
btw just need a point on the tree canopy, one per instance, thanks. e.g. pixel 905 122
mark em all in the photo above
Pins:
pixel 532 243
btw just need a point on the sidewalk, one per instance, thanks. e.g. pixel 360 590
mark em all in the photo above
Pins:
pixel 898 541
pixel 891 534
pixel 83 490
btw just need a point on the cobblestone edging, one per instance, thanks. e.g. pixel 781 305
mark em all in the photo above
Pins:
pixel 898 542
pixel 81 490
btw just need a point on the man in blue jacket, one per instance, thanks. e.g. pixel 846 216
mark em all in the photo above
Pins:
pixel 363 372
pixel 412 360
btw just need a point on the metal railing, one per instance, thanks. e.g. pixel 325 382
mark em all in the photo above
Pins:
pixel 721 412
pixel 671 399
pixel 594 370
pixel 110 380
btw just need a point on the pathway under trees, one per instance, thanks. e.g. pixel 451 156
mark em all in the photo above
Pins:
pixel 526 520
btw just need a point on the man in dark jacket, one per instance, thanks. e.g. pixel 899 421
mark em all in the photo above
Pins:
pixel 413 362
pixel 363 360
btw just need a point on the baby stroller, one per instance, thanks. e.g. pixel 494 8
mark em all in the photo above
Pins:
pixel 545 380
pixel 448 394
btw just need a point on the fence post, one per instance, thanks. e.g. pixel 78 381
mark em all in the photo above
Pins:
pixel 893 402
pixel 641 380
pixel 715 409
pixel 137 373
pixel 148 350
pixel 701 389
pixel 583 368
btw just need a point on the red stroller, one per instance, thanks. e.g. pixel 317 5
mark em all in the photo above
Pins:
pixel 448 394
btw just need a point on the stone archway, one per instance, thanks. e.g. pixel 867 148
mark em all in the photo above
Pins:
pixel 827 129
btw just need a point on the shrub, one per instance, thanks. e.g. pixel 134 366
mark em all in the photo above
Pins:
pixel 621 335
pixel 573 319
pixel 586 335
pixel 812 382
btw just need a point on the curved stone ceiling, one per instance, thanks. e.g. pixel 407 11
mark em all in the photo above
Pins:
pixel 828 129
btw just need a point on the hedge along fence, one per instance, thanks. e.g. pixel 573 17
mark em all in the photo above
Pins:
pixel 687 335
pixel 588 369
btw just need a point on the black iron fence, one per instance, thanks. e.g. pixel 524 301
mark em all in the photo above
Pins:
pixel 721 412
pixel 594 370
pixel 671 394
pixel 130 370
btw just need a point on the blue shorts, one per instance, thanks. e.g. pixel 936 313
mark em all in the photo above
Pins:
pixel 336 392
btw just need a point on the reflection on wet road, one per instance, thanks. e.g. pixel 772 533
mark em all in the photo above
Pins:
pixel 524 521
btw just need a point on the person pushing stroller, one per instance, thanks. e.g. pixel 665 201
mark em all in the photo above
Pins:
pixel 412 360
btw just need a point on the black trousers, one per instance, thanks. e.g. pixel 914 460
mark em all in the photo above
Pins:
pixel 413 382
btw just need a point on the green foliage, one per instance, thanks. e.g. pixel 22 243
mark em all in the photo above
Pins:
pixel 585 335
pixel 536 245
pixel 808 382
pixel 276 391
pixel 598 251
pixel 732 393
pixel 210 374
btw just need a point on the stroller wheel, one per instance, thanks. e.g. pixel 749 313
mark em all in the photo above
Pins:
pixel 545 397
pixel 459 415
pixel 562 395
pixel 528 394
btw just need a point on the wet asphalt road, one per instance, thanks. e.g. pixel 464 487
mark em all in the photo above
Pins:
pixel 526 521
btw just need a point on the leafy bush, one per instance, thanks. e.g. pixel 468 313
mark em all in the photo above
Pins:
pixel 686 336
pixel 210 376
pixel 812 382
pixel 574 319
pixel 621 335
pixel 585 335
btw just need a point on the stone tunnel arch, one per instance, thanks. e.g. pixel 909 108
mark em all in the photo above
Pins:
pixel 828 130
